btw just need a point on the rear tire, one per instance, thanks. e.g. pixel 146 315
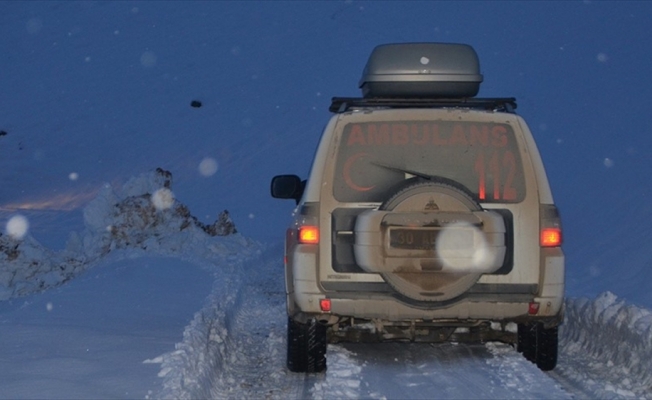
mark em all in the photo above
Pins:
pixel 547 347
pixel 306 346
pixel 527 342
pixel 539 345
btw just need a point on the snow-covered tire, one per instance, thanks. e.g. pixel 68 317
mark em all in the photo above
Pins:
pixel 306 346
pixel 539 345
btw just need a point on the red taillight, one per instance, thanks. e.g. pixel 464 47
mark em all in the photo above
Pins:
pixel 550 226
pixel 550 237
pixel 309 234
pixel 325 305
pixel 533 308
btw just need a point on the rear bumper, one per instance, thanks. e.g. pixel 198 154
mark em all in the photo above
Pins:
pixel 502 303
pixel 465 310
pixel 361 320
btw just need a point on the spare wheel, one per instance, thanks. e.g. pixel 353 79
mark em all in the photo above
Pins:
pixel 430 241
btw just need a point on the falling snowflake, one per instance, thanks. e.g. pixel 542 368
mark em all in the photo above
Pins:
pixel 208 166
pixel 17 227
pixel 163 199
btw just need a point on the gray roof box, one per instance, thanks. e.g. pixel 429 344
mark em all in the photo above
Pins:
pixel 424 70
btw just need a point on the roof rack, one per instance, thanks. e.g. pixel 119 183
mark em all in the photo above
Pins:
pixel 342 104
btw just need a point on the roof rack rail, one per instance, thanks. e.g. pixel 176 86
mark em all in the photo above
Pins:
pixel 342 104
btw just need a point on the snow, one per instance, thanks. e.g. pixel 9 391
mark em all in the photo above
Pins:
pixel 122 277
pixel 77 341
pixel 612 340
pixel 17 227
pixel 155 274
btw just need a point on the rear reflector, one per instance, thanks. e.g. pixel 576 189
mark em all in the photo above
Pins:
pixel 533 308
pixel 309 234
pixel 325 305
pixel 550 237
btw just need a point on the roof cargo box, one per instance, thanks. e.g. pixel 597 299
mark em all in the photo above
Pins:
pixel 433 70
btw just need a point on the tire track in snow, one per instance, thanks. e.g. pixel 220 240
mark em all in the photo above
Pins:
pixel 188 371
pixel 342 378
pixel 521 376
pixel 252 366
pixel 253 363
pixel 448 371
pixel 235 348
pixel 254 359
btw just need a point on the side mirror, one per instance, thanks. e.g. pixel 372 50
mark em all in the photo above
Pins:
pixel 287 187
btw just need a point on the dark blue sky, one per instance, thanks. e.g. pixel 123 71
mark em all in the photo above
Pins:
pixel 103 89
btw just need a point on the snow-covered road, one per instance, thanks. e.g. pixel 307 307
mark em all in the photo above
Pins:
pixel 387 370
pixel 247 359
pixel 157 307
pixel 173 328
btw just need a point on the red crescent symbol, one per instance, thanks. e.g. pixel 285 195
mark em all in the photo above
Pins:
pixel 347 173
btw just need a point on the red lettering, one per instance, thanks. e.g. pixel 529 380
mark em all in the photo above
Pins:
pixel 436 140
pixel 378 136
pixel 420 137
pixel 400 134
pixel 499 136
pixel 479 135
pixel 356 136
pixel 479 168
pixel 348 170
pixel 509 162
pixel 502 165
pixel 458 137
pixel 420 134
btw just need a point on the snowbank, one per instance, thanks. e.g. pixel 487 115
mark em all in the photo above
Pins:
pixel 142 214
pixel 236 338
pixel 27 267
pixel 607 343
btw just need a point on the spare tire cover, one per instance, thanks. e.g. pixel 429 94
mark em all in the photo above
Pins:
pixel 438 198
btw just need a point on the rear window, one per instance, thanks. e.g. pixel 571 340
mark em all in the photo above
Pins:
pixel 374 157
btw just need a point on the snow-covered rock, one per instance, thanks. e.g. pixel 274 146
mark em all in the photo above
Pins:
pixel 142 214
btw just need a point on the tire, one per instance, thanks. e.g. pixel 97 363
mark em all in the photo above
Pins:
pixel 412 187
pixel 442 286
pixel 527 342
pixel 306 346
pixel 547 347
pixel 539 345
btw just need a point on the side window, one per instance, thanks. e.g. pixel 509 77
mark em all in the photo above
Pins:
pixel 375 156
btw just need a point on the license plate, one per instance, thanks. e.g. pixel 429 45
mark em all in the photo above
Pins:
pixel 425 239
pixel 417 239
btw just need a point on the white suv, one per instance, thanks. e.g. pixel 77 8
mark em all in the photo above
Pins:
pixel 427 216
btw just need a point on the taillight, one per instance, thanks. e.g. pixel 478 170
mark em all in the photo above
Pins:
pixel 325 305
pixel 309 234
pixel 533 308
pixel 550 237
pixel 550 231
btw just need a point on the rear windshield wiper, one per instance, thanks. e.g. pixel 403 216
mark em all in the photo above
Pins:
pixel 403 170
